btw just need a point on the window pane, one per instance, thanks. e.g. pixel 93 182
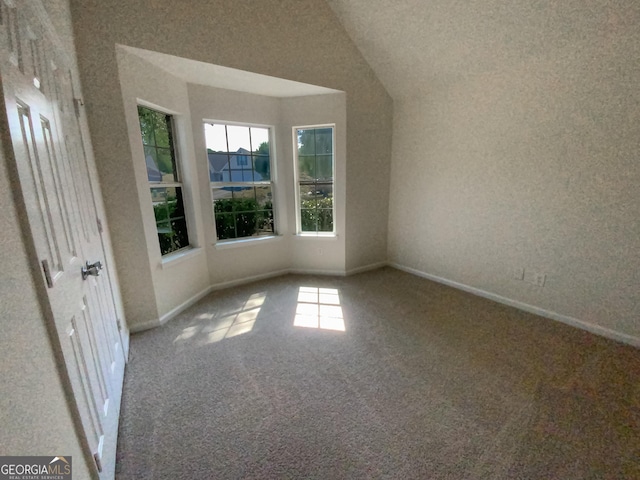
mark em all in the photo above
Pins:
pixel 218 166
pixel 238 138
pixel 166 165
pixel 324 141
pixel 147 120
pixel 324 167
pixel 241 176
pixel 261 168
pixel 239 210
pixel 244 194
pixel 225 226
pixel 306 142
pixel 160 206
pixel 264 198
pixel 308 220
pixel 163 132
pixel 151 161
pixel 246 223
pixel 167 203
pixel 260 140
pixel 265 222
pixel 308 197
pixel 325 220
pixel 175 201
pixel 307 167
pixel 222 200
pixel 171 223
pixel 160 162
pixel 324 195
pixel 216 137
pixel 315 175
pixel 179 237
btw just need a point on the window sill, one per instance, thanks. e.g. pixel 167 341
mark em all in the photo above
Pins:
pixel 178 257
pixel 327 236
pixel 224 244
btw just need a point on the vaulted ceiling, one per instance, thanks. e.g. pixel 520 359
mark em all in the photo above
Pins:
pixel 414 45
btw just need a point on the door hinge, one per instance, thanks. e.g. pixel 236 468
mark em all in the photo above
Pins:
pixel 99 222
pixel 119 323
pixel 96 458
pixel 47 273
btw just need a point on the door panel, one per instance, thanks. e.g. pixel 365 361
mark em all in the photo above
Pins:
pixel 63 214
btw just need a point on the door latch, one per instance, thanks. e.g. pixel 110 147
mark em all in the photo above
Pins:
pixel 92 269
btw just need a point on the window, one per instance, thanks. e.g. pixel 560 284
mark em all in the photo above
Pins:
pixel 314 176
pixel 164 179
pixel 241 183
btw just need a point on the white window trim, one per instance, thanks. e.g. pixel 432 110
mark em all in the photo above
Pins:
pixel 183 183
pixel 246 241
pixel 174 258
pixel 294 136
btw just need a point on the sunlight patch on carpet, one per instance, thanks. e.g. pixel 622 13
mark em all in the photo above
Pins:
pixel 319 308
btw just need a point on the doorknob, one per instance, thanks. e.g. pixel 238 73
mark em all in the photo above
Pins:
pixel 92 269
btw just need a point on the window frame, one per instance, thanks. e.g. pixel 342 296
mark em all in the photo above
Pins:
pixel 272 183
pixel 178 173
pixel 296 174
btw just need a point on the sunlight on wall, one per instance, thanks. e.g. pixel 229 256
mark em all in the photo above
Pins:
pixel 213 328
pixel 319 308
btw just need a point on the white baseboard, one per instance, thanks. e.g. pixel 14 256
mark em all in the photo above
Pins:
pixel 316 271
pixel 234 283
pixel 366 268
pixel 242 281
pixel 184 305
pixel 171 313
pixel 574 322
pixel 141 327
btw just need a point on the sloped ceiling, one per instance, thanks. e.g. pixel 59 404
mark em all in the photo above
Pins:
pixel 414 45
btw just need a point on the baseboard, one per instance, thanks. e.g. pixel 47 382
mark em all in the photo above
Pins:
pixel 242 281
pixel 574 322
pixel 184 305
pixel 316 271
pixel 366 268
pixel 141 327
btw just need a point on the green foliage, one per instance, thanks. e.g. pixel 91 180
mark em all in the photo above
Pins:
pixel 171 225
pixel 315 153
pixel 156 132
pixel 262 164
pixel 315 141
pixel 241 217
pixel 317 215
pixel 263 149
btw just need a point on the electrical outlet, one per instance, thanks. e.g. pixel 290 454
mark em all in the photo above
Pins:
pixel 518 274
pixel 539 279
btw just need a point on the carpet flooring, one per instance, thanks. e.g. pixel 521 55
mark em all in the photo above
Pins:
pixel 377 375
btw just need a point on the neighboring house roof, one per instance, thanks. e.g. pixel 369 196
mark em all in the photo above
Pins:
pixel 153 172
pixel 219 167
pixel 217 162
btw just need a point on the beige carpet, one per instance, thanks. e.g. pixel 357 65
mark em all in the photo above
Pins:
pixel 379 375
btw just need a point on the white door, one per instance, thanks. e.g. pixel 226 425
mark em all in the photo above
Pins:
pixel 55 186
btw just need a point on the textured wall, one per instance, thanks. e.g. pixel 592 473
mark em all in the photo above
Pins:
pixel 515 144
pixel 254 258
pixel 535 167
pixel 321 254
pixel 176 282
pixel 297 40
